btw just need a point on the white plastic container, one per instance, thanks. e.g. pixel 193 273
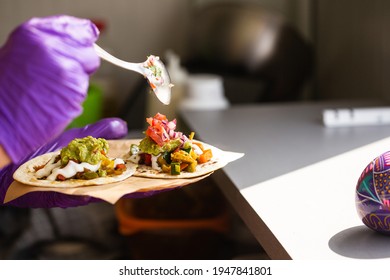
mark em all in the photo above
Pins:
pixel 204 92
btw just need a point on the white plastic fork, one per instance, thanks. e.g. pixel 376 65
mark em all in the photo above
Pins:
pixel 161 83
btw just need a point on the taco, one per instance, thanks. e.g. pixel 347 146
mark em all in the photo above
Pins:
pixel 84 162
pixel 166 153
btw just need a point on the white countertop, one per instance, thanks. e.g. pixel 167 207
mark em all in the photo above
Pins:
pixel 312 210
pixel 295 186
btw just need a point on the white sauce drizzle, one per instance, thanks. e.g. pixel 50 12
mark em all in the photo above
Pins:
pixel 46 170
pixel 118 161
pixel 51 170
pixel 71 169
pixel 135 158
pixel 155 163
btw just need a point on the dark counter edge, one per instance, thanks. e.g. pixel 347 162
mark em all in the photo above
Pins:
pixel 261 232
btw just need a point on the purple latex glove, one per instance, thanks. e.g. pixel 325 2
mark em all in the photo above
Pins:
pixel 110 128
pixel 44 74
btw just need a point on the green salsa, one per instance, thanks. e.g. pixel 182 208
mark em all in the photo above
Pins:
pixel 87 149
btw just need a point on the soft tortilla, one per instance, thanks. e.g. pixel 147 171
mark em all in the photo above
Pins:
pixel 25 174
pixel 215 163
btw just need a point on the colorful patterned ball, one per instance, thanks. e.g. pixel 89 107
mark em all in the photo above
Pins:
pixel 373 194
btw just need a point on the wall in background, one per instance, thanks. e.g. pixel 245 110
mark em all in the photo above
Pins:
pixel 297 12
pixel 351 36
pixel 137 28
pixel 353 49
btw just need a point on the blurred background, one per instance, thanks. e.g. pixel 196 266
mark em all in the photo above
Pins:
pixel 340 50
pixel 199 36
pixel 259 51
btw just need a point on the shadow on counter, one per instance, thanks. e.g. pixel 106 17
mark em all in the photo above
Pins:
pixel 360 243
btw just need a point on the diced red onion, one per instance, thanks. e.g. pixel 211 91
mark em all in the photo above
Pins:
pixel 171 125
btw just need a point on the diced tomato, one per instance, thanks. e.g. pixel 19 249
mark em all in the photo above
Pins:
pixel 120 166
pixel 157 117
pixel 156 129
pixel 160 117
pixel 147 159
pixel 149 121
pixel 152 133
pixel 61 177
pixel 160 130
pixel 153 86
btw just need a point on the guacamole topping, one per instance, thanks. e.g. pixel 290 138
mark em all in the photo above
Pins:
pixel 147 145
pixel 88 149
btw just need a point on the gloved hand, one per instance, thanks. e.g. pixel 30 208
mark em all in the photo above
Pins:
pixel 110 128
pixel 44 74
